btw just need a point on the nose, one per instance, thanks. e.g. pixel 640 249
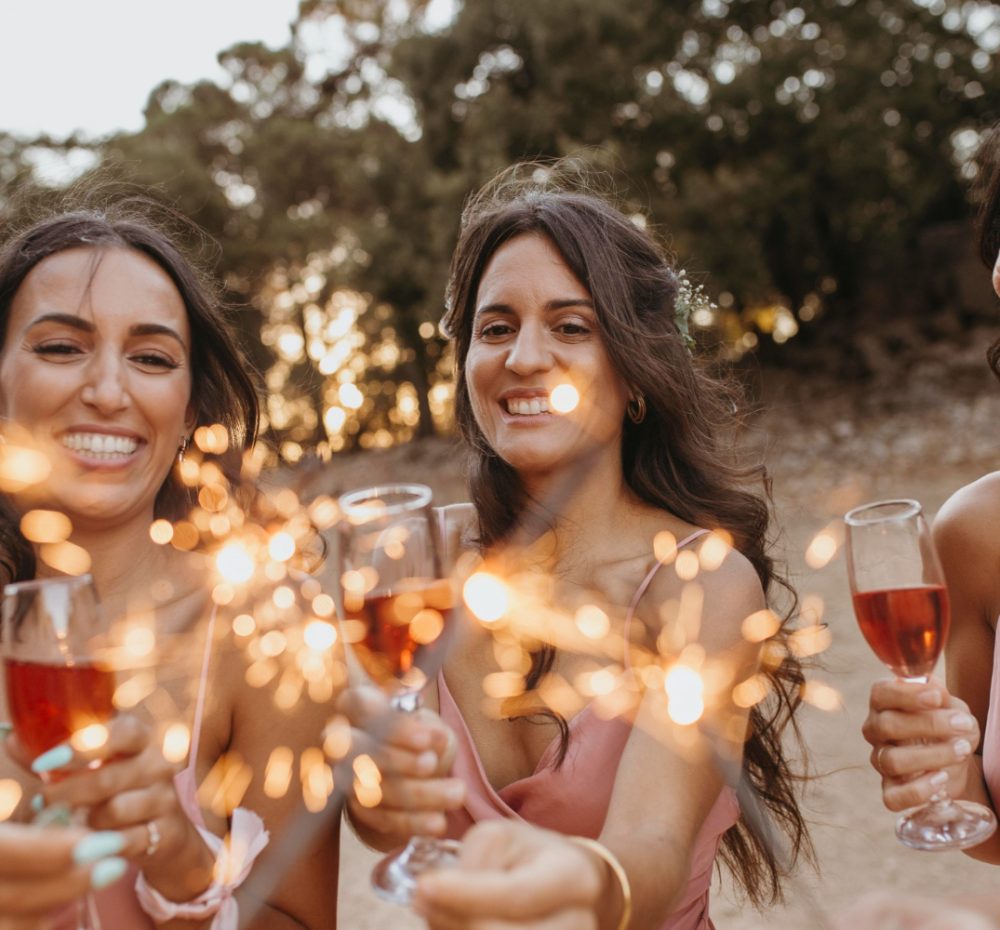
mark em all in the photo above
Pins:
pixel 530 352
pixel 105 388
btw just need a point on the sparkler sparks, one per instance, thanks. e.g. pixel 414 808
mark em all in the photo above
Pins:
pixel 564 398
pixel 90 737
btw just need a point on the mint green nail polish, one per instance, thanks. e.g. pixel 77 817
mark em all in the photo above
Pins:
pixel 5 730
pixel 107 871
pixel 37 803
pixel 97 846
pixel 59 815
pixel 53 759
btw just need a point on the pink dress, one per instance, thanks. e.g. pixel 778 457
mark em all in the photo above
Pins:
pixel 574 798
pixel 117 905
pixel 991 736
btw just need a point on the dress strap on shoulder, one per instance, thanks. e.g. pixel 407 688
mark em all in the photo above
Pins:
pixel 199 707
pixel 651 574
pixel 647 581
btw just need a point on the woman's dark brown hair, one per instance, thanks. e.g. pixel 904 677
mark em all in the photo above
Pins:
pixel 676 459
pixel 988 218
pixel 222 389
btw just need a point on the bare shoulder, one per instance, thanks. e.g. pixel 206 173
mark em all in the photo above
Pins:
pixel 730 590
pixel 971 514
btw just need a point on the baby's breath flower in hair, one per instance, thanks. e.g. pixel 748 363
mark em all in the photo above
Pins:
pixel 690 299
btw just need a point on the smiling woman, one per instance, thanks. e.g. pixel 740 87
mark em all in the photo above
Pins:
pixel 114 351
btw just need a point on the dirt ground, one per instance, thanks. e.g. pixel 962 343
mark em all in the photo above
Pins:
pixel 825 456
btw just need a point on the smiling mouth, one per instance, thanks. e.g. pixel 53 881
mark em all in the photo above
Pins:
pixel 526 406
pixel 101 445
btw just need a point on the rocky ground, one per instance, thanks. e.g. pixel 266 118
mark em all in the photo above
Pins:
pixel 828 448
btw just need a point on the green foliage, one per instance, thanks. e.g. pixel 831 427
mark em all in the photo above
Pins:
pixel 792 154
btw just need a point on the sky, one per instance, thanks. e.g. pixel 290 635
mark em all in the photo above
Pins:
pixel 90 65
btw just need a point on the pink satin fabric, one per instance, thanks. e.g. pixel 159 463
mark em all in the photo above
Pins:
pixel 991 735
pixel 574 798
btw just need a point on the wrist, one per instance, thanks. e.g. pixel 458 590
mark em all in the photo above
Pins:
pixel 615 883
pixel 180 869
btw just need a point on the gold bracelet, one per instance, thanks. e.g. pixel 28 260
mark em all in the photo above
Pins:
pixel 602 852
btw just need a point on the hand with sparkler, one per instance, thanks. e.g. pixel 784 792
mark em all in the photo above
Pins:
pixel 525 877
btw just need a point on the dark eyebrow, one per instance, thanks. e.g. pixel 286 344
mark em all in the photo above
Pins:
pixel 77 322
pixel 156 329
pixel 507 310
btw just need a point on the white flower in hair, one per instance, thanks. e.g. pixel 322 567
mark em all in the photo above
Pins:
pixel 690 299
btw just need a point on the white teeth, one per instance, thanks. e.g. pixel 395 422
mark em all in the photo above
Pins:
pixel 527 407
pixel 100 445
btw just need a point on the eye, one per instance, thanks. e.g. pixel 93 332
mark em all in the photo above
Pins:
pixel 55 349
pixel 154 360
pixel 495 330
pixel 573 328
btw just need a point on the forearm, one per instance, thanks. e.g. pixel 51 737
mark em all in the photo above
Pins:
pixel 656 872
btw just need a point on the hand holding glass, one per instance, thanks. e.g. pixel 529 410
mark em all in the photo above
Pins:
pixel 55 687
pixel 398 608
pixel 901 603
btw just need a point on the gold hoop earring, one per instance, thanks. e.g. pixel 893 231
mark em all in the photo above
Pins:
pixel 636 407
pixel 181 449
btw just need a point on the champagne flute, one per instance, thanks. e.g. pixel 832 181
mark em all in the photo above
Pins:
pixel 398 609
pixel 901 604
pixel 55 686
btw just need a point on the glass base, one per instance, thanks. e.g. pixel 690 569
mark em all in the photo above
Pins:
pixel 394 878
pixel 945 825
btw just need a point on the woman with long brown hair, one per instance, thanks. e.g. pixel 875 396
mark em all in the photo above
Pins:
pixel 554 286
pixel 114 350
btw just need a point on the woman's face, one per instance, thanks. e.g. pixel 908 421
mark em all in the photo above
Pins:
pixel 96 367
pixel 534 329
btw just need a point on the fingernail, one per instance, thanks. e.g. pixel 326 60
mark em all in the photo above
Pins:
pixel 929 698
pixel 420 739
pixel 962 721
pixel 455 794
pixel 38 803
pixel 107 871
pixel 5 730
pixel 53 759
pixel 97 846
pixel 427 762
pixel 59 815
pixel 962 747
pixel 939 779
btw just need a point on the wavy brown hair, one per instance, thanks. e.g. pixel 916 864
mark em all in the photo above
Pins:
pixel 222 387
pixel 676 459
pixel 988 217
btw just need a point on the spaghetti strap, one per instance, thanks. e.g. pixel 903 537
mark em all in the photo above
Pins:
pixel 646 582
